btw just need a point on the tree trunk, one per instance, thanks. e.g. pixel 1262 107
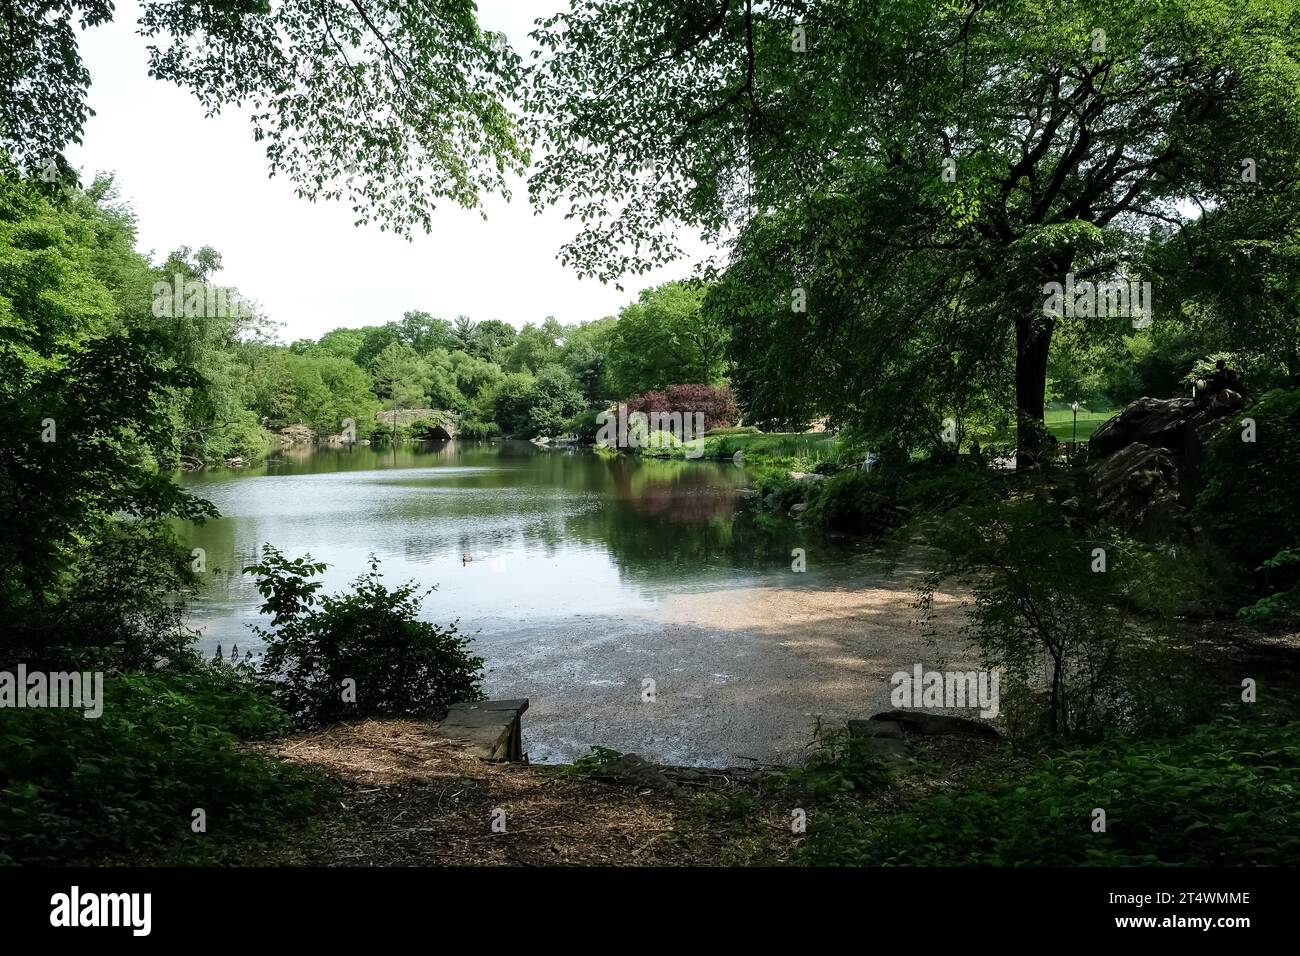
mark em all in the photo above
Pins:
pixel 1033 341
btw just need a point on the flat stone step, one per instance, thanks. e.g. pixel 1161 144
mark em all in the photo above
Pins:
pixel 875 728
pixel 491 729
pixel 920 722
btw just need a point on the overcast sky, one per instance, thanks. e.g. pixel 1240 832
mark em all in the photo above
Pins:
pixel 196 181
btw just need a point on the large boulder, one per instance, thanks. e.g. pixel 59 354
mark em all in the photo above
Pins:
pixel 1173 423
pixel 1137 488
pixel 1144 463
pixel 1148 421
pixel 297 435
pixel 635 771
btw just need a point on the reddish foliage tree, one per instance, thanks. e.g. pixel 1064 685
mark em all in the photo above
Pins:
pixel 717 404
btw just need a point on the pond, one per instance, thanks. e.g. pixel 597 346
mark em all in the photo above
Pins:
pixel 581 577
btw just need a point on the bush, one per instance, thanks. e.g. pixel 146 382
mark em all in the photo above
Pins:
pixel 777 491
pixel 1280 604
pixel 857 501
pixel 733 430
pixel 508 402
pixel 585 425
pixel 936 486
pixel 472 428
pixel 839 764
pixel 1251 502
pixel 783 452
pixel 662 444
pixel 1224 795
pixel 120 604
pixel 83 791
pixel 555 398
pixel 717 405
pixel 360 654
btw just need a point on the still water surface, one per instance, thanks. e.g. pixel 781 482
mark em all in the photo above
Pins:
pixel 548 557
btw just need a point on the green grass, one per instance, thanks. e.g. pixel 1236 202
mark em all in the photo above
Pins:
pixel 783 451
pixel 1060 422
pixel 775 445
pixel 1221 795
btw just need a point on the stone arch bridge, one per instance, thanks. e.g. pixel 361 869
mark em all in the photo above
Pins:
pixel 444 428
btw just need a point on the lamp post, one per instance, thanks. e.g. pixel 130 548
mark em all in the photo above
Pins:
pixel 1074 435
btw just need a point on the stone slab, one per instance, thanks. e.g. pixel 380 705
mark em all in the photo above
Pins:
pixel 491 729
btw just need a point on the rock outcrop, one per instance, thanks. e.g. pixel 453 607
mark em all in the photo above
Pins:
pixel 297 435
pixel 1173 423
pixel 922 722
pixel 1144 464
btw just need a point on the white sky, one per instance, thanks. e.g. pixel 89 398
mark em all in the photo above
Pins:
pixel 197 181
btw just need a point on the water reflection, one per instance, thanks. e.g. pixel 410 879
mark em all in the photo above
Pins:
pixel 512 535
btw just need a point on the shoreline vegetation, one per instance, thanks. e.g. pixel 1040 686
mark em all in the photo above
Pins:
pixel 287 774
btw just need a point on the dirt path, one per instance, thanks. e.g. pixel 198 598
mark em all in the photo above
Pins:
pixel 414 799
pixel 411 798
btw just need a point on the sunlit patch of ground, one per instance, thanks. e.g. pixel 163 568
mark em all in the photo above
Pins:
pixel 414 799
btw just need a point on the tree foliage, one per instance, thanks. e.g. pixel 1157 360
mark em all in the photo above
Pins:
pixel 666 338
pixel 373 102
pixel 86 385
pixel 918 220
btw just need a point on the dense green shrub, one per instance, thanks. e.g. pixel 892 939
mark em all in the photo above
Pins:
pixel 119 604
pixel 526 405
pixel 664 444
pixel 837 765
pixel 935 487
pixel 473 428
pixel 585 425
pixel 1251 502
pixel 804 447
pixel 1224 795
pixel 363 653
pixel 555 398
pixel 80 790
pixel 243 438
pixel 778 491
pixel 857 501
pixel 1283 603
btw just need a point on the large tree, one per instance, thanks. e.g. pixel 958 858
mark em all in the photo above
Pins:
pixel 902 178
pixel 87 385
pixel 666 338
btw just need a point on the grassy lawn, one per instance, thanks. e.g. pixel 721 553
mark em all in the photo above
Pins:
pixel 1060 421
